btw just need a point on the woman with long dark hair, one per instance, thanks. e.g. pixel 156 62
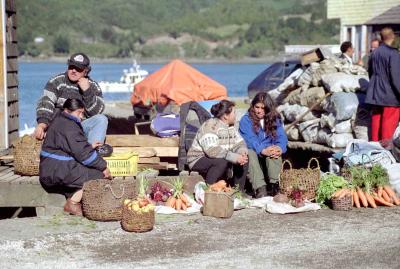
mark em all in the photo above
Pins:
pixel 218 145
pixel 262 129
pixel 67 160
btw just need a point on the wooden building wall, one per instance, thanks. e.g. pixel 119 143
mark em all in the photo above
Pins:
pixel 9 109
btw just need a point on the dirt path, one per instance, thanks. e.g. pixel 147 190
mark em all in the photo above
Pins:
pixel 252 238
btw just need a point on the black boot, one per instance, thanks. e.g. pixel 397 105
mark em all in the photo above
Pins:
pixel 261 192
pixel 274 188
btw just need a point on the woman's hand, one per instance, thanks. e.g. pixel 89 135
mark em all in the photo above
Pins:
pixel 107 173
pixel 272 152
pixel 243 159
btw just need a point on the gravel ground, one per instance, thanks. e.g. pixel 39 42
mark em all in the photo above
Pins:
pixel 252 238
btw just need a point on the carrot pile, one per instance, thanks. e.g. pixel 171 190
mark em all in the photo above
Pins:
pixel 178 200
pixel 383 195
pixel 220 186
pixel 370 188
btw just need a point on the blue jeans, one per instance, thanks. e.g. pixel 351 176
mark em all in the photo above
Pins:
pixel 95 128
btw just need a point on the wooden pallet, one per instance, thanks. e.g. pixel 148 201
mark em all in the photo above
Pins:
pixel 26 191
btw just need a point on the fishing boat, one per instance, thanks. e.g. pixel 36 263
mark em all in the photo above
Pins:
pixel 129 78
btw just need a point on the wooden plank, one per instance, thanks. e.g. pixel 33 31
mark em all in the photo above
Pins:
pixel 157 166
pixel 141 140
pixel 10 6
pixel 13 123
pixel 12 178
pixel 6 177
pixel 12 79
pixel 143 152
pixel 12 50
pixel 13 108
pixel 12 65
pixel 6 157
pixel 149 160
pixel 25 195
pixel 13 135
pixel 160 151
pixel 12 93
pixel 6 171
pixel 3 133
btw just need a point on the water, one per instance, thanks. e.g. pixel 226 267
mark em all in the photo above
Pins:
pixel 33 77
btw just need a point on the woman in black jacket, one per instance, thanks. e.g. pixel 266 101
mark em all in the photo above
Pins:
pixel 67 160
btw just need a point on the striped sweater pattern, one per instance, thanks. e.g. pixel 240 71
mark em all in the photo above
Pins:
pixel 60 88
pixel 215 139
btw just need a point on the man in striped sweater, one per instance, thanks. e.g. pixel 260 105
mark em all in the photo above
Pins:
pixel 74 83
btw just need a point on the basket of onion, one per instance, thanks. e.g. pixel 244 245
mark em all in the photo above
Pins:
pixel 138 215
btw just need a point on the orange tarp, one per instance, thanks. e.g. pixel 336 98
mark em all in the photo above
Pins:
pixel 179 82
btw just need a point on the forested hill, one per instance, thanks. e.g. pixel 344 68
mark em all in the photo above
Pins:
pixel 154 29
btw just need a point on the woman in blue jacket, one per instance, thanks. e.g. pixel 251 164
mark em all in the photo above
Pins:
pixel 67 160
pixel 262 129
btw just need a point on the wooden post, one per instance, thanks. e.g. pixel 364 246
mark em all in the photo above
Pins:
pixel 9 107
pixel 3 85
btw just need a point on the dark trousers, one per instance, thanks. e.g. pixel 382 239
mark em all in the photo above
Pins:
pixel 214 169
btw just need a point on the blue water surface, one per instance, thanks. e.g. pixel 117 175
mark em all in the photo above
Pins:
pixel 33 77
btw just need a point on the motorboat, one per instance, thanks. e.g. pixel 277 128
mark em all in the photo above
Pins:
pixel 129 78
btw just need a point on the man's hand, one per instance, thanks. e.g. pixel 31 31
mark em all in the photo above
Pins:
pixel 40 131
pixel 83 83
pixel 96 144
pixel 107 173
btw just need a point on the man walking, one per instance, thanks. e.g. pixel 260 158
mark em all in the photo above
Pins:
pixel 384 88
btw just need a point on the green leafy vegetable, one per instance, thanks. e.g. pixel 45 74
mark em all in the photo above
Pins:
pixel 328 185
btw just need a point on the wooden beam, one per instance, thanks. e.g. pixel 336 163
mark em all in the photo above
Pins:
pixel 141 141
pixel 149 160
pixel 160 151
pixel 143 152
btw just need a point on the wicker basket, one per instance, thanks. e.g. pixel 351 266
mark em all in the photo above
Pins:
pixel 304 178
pixel 218 204
pixel 133 221
pixel 102 198
pixel 343 203
pixel 27 156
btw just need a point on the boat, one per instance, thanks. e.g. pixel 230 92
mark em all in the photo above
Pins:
pixel 127 81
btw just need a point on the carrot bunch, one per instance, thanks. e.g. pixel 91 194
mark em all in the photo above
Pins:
pixel 383 195
pixel 178 200
pixel 220 186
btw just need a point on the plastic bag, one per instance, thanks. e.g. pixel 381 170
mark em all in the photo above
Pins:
pixel 342 105
pixel 292 112
pixel 339 140
pixel 393 171
pixel 309 130
pixel 341 82
pixel 359 152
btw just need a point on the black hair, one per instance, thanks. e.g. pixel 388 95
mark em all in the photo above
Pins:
pixel 73 104
pixel 271 114
pixel 345 46
pixel 222 108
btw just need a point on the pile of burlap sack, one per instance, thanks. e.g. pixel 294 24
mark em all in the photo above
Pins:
pixel 339 117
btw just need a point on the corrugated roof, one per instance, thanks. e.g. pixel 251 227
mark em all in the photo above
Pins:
pixel 391 16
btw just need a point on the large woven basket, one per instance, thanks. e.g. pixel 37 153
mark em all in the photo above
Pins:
pixel 138 222
pixel 102 198
pixel 304 178
pixel 27 156
pixel 343 203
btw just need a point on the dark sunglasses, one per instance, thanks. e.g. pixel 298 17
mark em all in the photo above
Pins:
pixel 77 69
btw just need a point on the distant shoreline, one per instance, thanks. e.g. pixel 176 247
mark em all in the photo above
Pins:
pixel 63 59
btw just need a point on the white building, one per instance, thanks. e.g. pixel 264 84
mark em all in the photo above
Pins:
pixel 361 20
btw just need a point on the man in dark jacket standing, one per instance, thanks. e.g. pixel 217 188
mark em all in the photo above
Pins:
pixel 74 83
pixel 384 88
